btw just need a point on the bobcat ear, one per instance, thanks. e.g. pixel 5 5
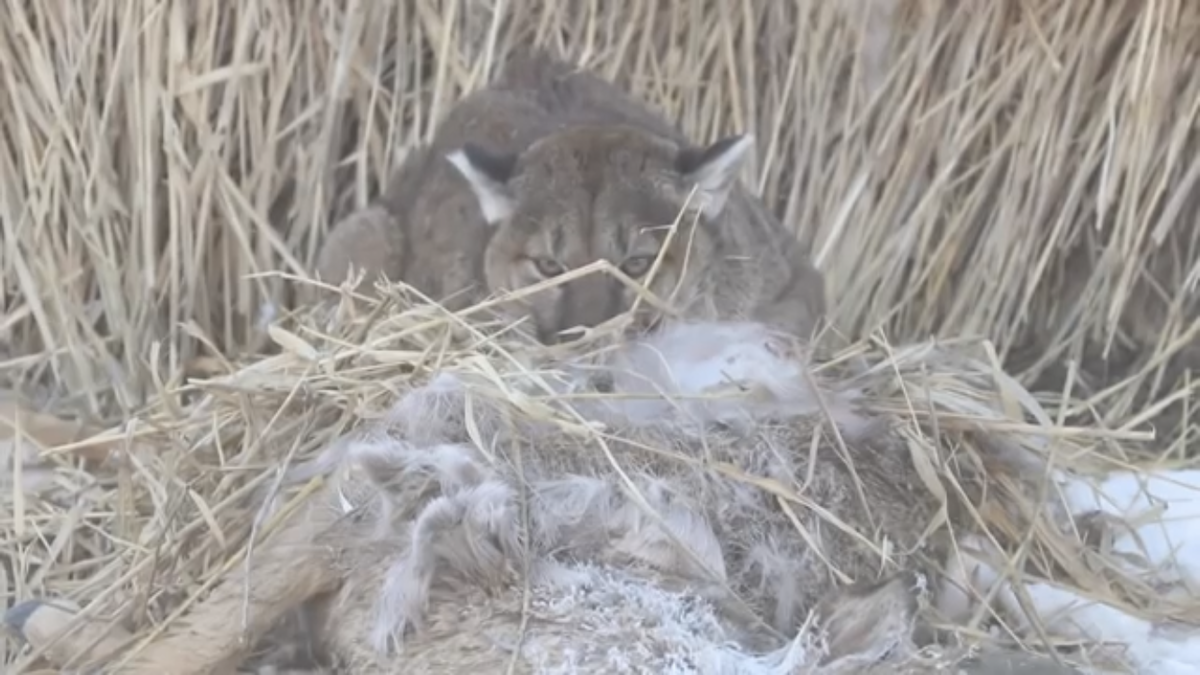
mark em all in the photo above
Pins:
pixel 714 170
pixel 487 173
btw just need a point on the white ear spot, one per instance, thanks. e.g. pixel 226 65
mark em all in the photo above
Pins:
pixel 491 193
pixel 714 170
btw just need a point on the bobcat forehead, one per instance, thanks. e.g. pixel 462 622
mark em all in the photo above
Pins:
pixel 599 154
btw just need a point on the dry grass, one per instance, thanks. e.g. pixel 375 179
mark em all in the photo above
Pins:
pixel 1022 171
pixel 175 498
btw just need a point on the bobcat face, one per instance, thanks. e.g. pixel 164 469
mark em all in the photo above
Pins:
pixel 600 193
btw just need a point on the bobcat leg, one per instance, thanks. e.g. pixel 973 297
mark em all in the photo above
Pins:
pixel 370 241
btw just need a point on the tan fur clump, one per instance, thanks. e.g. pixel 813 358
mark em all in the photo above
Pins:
pixel 550 169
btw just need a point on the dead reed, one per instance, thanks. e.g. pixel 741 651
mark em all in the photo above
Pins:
pixel 1022 171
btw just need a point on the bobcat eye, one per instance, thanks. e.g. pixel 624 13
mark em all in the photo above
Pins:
pixel 548 267
pixel 637 265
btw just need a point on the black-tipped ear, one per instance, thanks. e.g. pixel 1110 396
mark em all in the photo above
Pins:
pixel 488 173
pixel 714 169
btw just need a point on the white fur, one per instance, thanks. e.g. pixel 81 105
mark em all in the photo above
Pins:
pixel 686 374
pixel 727 373
pixel 493 198
pixel 715 178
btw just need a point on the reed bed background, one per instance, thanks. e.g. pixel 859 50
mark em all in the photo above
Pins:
pixel 1021 171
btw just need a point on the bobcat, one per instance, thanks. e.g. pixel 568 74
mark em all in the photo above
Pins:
pixel 549 169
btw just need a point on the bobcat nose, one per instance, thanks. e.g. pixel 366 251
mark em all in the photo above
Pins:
pixel 587 302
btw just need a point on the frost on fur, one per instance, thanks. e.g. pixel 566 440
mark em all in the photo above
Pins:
pixel 607 618
pixel 635 625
